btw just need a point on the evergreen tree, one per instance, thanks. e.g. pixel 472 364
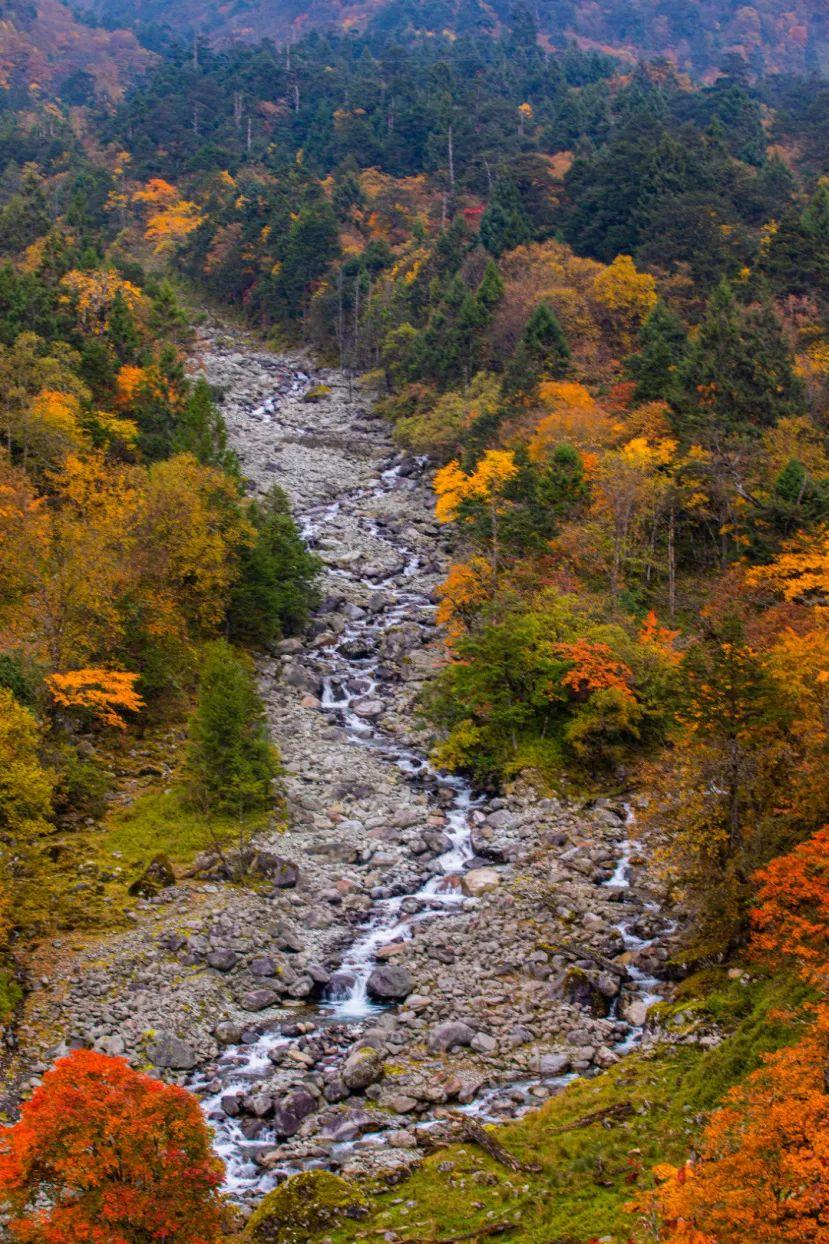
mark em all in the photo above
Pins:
pixel 738 376
pixel 167 319
pixel 122 331
pixel 542 351
pixel 230 763
pixel 158 405
pixel 201 431
pixel 505 224
pixel 663 344
pixel 276 587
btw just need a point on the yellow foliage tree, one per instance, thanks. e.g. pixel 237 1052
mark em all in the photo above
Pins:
pixel 573 418
pixel 801 571
pixel 485 484
pixel 49 429
pixel 170 218
pixel 628 296
pixel 93 293
pixel 104 694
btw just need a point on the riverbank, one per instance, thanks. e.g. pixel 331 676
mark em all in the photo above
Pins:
pixel 516 940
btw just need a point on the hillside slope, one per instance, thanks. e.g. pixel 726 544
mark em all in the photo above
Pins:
pixel 773 35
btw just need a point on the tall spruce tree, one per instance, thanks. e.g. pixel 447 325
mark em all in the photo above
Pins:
pixel 505 223
pixel 230 764
pixel 663 344
pixel 738 377
pixel 276 589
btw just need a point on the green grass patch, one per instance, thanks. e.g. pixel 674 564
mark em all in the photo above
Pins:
pixel 595 1144
pixel 11 995
pixel 161 824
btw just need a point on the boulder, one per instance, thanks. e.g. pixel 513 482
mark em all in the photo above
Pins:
pixel 449 1036
pixel 169 1051
pixel 554 1064
pixel 222 960
pixel 290 1111
pixel 363 1067
pixel 258 999
pixel 390 982
pixel 228 1033
pixel 480 881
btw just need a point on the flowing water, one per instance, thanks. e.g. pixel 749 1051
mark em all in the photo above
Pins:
pixel 351 674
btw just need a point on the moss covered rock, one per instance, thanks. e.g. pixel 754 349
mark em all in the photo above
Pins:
pixel 304 1205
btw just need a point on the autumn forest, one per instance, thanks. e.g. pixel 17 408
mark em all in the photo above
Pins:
pixel 414 622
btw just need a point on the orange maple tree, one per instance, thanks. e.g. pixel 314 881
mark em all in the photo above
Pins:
pixel 593 668
pixel 791 916
pixel 106 694
pixel 104 1155
pixel 763 1171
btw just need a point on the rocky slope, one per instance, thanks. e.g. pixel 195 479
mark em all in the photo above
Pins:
pixel 409 943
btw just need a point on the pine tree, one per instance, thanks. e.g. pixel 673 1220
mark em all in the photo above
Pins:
pixel 505 224
pixel 663 344
pixel 230 764
pixel 738 376
pixel 542 351
pixel 201 430
pixel 122 330
pixel 276 587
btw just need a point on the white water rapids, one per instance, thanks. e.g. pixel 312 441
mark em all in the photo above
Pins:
pixel 349 678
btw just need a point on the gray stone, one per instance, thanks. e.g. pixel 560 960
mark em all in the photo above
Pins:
pixel 363 1067
pixel 222 960
pixel 169 1051
pixel 258 999
pixel 449 1036
pixel 290 1111
pixel 390 982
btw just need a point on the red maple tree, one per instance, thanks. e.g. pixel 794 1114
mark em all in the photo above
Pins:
pixel 105 1155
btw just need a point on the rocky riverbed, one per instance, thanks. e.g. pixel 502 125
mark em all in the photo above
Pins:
pixel 410 944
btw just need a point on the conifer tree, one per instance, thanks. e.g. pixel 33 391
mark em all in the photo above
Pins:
pixel 201 430
pixel 505 224
pixel 542 351
pixel 230 763
pixel 122 331
pixel 738 376
pixel 276 587
pixel 663 344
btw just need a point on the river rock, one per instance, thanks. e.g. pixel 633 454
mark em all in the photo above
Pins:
pixel 450 1036
pixel 258 999
pixel 290 1111
pixel 554 1064
pixel 390 982
pixel 479 881
pixel 169 1051
pixel 363 1067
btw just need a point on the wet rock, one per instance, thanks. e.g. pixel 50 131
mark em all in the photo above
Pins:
pixel 390 982
pixel 169 1051
pixel 290 1111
